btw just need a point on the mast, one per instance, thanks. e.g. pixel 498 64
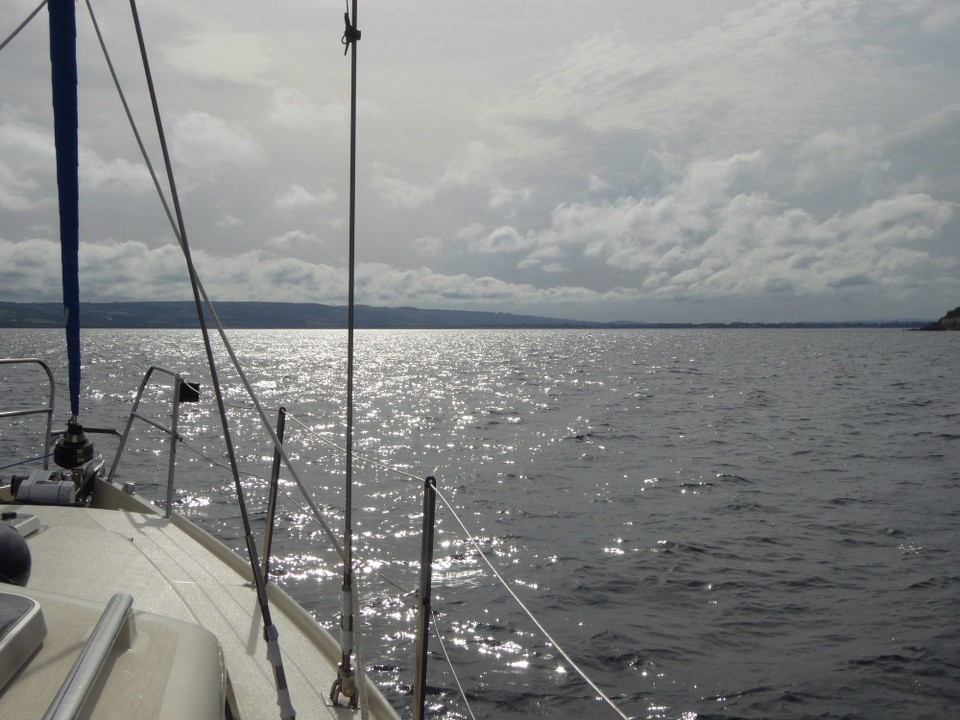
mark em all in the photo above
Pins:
pixel 345 683
pixel 63 62
pixel 73 449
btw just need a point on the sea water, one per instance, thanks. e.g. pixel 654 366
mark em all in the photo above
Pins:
pixel 710 523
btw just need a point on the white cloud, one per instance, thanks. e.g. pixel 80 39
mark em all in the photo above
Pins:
pixel 294 240
pixel 20 136
pixel 202 141
pixel 26 157
pixel 503 197
pixel 548 258
pixel 504 239
pixel 936 16
pixel 297 197
pixel 428 245
pixel 113 271
pixel 396 191
pixel 472 167
pixel 422 287
pixel 832 155
pixel 117 175
pixel 597 184
pixel 748 245
pixel 241 57
pixel 292 108
pixel 15 192
pixel 228 221
pixel 748 149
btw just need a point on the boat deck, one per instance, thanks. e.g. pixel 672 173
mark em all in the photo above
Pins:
pixel 172 568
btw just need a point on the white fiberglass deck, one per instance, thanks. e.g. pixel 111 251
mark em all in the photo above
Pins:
pixel 93 553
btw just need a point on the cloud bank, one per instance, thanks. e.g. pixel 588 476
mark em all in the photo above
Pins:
pixel 751 160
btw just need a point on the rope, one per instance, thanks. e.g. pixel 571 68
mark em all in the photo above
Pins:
pixel 22 25
pixel 469 537
pixel 529 614
pixel 133 125
pixel 203 292
pixel 347 623
pixel 314 513
pixel 446 655
pixel 306 511
pixel 269 630
pixel 363 458
pixel 28 460
pixel 406 592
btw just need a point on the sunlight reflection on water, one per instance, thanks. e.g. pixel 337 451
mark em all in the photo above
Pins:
pixel 662 498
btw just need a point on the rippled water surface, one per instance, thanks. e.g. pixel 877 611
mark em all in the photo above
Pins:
pixel 730 524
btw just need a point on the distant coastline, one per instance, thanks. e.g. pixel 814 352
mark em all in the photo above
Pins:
pixel 950 321
pixel 304 316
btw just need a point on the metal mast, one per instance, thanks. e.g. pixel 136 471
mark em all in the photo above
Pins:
pixel 345 683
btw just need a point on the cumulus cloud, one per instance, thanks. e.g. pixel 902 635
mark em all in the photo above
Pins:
pixel 221 56
pixel 716 233
pixel 504 239
pixel 398 192
pixel 776 150
pixel 473 167
pixel 293 108
pixel 26 158
pixel 835 154
pixel 597 184
pixel 117 175
pixel 113 271
pixel 294 240
pixel 228 221
pixel 501 197
pixel 21 136
pixel 428 245
pixel 16 192
pixel 383 284
pixel 297 197
pixel 202 141
pixel 548 258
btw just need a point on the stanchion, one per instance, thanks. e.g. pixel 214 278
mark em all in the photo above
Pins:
pixel 426 577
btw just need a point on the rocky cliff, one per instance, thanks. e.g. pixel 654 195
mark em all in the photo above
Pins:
pixel 950 321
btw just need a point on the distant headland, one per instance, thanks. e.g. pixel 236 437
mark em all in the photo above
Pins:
pixel 298 316
pixel 950 321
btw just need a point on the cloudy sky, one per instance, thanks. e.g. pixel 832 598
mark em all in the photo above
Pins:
pixel 665 160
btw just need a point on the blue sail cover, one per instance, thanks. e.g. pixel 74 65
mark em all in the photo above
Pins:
pixel 63 60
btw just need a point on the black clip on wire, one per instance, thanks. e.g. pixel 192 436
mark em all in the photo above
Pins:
pixel 350 34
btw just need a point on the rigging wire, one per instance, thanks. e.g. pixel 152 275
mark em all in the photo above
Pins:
pixel 28 460
pixel 446 655
pixel 527 610
pixel 270 634
pixel 410 593
pixel 179 233
pixel 216 320
pixel 315 512
pixel 364 562
pixel 469 537
pixel 345 683
pixel 22 25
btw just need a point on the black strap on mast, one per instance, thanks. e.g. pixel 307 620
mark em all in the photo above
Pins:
pixel 345 684
pixel 270 634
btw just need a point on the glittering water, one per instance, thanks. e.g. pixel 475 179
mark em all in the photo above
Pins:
pixel 730 524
